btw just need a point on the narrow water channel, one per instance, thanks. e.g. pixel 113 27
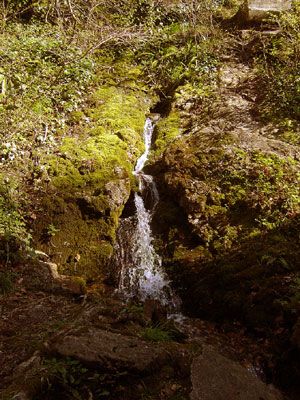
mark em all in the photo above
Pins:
pixel 142 275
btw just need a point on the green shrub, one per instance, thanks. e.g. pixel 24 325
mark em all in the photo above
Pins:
pixel 14 236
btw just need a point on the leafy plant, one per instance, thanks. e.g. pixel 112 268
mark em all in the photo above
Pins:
pixel 51 230
pixel 169 60
pixel 133 308
pixel 159 332
pixel 14 235
pixel 291 301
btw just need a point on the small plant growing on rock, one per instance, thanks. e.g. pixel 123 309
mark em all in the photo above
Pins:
pixel 132 308
pixel 52 230
pixel 49 232
pixel 159 332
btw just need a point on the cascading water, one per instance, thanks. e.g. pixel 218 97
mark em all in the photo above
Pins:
pixel 142 275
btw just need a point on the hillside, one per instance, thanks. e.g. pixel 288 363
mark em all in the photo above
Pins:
pixel 216 200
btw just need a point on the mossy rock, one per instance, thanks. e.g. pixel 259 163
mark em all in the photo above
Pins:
pixel 240 232
pixel 83 242
pixel 247 284
pixel 90 181
pixel 165 131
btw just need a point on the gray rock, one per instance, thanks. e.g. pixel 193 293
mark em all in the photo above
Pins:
pixel 118 192
pixel 97 347
pixel 215 377
pixel 257 10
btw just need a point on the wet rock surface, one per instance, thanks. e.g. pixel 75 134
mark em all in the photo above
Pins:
pixel 88 183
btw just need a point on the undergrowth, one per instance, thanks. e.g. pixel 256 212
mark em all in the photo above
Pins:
pixel 69 378
pixel 278 70
pixel 66 66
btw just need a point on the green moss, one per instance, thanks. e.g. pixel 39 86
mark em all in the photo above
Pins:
pixel 91 178
pixel 166 130
pixel 167 213
pixel 82 284
pixel 7 279
pixel 83 231
pixel 121 113
pixel 75 117
pixel 196 254
pixel 106 250
pixel 90 162
pixel 125 73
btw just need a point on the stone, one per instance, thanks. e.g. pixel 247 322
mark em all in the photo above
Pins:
pixel 52 267
pixel 105 349
pixel 215 377
pixel 21 396
pixel 71 285
pixel 117 193
pixel 154 311
pixel 44 276
pixel 257 10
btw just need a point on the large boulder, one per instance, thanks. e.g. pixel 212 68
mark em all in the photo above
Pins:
pixel 44 276
pixel 105 349
pixel 215 377
pixel 257 10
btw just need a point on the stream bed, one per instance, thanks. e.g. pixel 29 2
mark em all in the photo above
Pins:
pixel 142 276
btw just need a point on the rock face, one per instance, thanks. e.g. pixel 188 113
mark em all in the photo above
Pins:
pixel 89 181
pixel 215 377
pixel 230 249
pixel 105 349
pixel 257 10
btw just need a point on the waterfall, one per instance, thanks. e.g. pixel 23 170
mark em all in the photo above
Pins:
pixel 141 274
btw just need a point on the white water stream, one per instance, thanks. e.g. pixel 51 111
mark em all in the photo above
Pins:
pixel 145 278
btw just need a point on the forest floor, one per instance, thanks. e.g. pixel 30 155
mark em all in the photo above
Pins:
pixel 31 316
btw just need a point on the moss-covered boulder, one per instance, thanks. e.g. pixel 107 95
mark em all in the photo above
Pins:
pixel 89 180
pixel 165 131
pixel 241 208
pixel 255 11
